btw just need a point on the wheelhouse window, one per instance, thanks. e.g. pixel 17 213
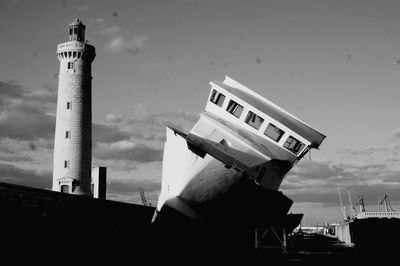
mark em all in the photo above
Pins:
pixel 274 132
pixel 254 120
pixel 217 98
pixel 293 145
pixel 234 108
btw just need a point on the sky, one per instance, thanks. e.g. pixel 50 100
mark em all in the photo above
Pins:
pixel 333 64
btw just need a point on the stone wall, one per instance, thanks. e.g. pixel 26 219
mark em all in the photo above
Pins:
pixel 37 220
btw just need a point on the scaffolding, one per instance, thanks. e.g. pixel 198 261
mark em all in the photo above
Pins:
pixel 271 238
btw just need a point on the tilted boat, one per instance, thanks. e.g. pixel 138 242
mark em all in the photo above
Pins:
pixel 228 168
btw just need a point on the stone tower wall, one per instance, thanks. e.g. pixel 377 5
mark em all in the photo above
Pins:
pixel 72 147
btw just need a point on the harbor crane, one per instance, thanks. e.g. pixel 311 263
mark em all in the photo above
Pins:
pixel 361 203
pixel 343 208
pixel 385 201
pixel 144 200
pixel 351 206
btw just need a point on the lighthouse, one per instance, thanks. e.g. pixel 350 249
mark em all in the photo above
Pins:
pixel 72 160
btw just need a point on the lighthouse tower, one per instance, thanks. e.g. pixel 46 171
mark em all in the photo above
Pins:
pixel 73 137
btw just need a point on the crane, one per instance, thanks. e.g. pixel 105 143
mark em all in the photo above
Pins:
pixel 144 201
pixel 361 203
pixel 342 207
pixel 352 208
pixel 385 201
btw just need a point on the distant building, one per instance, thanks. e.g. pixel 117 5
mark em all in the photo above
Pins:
pixel 73 136
pixel 99 182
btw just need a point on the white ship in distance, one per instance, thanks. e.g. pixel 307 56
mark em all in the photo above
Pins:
pixel 232 162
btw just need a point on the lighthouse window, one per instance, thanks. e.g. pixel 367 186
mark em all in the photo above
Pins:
pixel 293 145
pixel 274 132
pixel 234 108
pixel 254 120
pixel 75 30
pixel 68 105
pixel 217 98
pixel 70 65
pixel 67 134
pixel 66 164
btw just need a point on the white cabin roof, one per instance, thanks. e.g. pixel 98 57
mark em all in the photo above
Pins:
pixel 271 109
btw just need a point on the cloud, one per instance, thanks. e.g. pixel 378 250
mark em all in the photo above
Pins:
pixel 132 45
pixel 82 8
pixel 371 171
pixel 127 151
pixel 145 125
pixel 25 114
pixel 9 91
pixel 47 94
pixel 120 40
pixel 130 187
pixel 27 177
pixel 317 170
pixel 111 31
pixel 8 153
pixel 26 121
pixel 395 134
pixel 103 133
pixel 124 143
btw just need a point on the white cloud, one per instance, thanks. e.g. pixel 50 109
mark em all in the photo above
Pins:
pixel 82 8
pixel 395 134
pixel 27 177
pixel 127 151
pixel 111 31
pixel 99 20
pixel 132 45
pixel 121 40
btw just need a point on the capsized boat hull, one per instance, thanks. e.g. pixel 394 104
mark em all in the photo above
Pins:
pixel 207 191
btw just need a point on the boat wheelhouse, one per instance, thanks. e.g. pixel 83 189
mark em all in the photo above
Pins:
pixel 240 149
pixel 235 103
pixel 250 130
